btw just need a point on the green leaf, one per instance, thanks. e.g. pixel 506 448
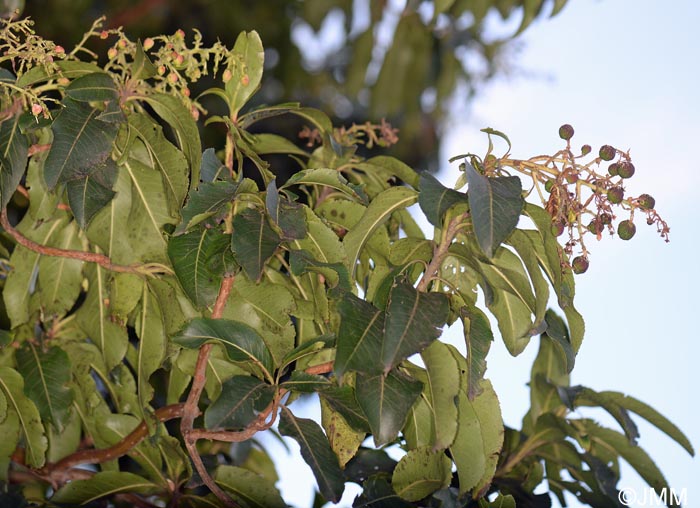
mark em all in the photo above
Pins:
pixel 95 318
pixel 290 217
pixel 342 399
pixel 249 488
pixel 98 86
pixel 174 112
pixel 386 401
pixel 266 143
pixel 479 439
pixel 210 199
pixel 360 335
pixel 247 60
pixel 199 261
pixel 344 439
pixel 421 472
pixel 392 167
pixel 163 157
pixel 242 343
pixel 13 158
pixel 212 167
pixel 35 442
pixel 152 343
pixel 81 143
pixel 308 348
pixel 68 69
pixel 103 484
pixel 46 375
pixel 317 453
pixel 495 204
pixel 253 241
pixel 478 337
pixel 413 321
pixel 142 68
pixel 435 199
pixel 378 212
pixel 90 194
pixel 303 382
pixel 442 386
pixel 328 178
pixel 10 432
pixel 336 274
pixel 242 399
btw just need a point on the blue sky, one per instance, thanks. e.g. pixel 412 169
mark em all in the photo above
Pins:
pixel 622 73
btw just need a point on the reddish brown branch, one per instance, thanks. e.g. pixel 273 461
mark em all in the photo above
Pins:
pixel 191 410
pixel 89 257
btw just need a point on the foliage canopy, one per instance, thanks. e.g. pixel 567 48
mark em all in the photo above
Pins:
pixel 147 281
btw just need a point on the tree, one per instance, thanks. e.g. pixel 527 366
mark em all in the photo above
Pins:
pixel 161 304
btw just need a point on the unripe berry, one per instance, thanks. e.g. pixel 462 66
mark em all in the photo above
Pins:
pixel 585 149
pixel 594 227
pixel 626 169
pixel 646 202
pixel 626 229
pixel 614 169
pixel 607 152
pixel 566 132
pixel 549 185
pixel 615 195
pixel 558 228
pixel 579 264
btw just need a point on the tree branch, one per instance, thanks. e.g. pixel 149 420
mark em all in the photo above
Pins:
pixel 90 257
pixel 440 251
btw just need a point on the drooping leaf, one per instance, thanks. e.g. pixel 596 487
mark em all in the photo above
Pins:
pixel 327 178
pixel 152 343
pixel 435 199
pixel 81 143
pixel 247 61
pixel 212 167
pixel 253 241
pixel 336 274
pixel 478 337
pixel 421 472
pixel 174 112
pixel 342 399
pixel 88 195
pixel 13 158
pixel 35 442
pixel 377 213
pixel 360 335
pixel 441 386
pixel 413 320
pixel 242 399
pixel 344 439
pixel 242 343
pixel 249 488
pixel 142 67
pixel 46 375
pixel 386 400
pixel 267 143
pixel 199 259
pixel 98 87
pixel 317 453
pixel 106 483
pixel 208 200
pixel 495 204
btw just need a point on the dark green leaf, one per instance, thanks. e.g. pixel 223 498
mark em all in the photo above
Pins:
pixel 342 399
pixel 359 343
pixel 199 261
pixel 98 86
pixel 212 167
pixel 413 321
pixel 253 241
pixel 478 337
pixel 242 343
pixel 107 483
pixel 13 158
pixel 435 199
pixel 152 343
pixel 46 375
pixel 328 178
pixel 336 274
pixel 421 472
pixel 290 217
pixel 303 382
pixel 88 195
pixel 81 143
pixel 317 453
pixel 368 462
pixel 249 488
pixel 495 205
pixel 310 347
pixel 242 399
pixel 378 493
pixel 209 199
pixel 386 400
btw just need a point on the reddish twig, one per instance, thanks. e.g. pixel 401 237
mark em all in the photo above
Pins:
pixel 191 409
pixel 89 257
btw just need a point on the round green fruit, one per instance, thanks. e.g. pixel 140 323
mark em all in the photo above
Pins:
pixel 607 152
pixel 615 195
pixel 646 202
pixel 626 169
pixel 566 131
pixel 579 264
pixel 585 149
pixel 626 229
pixel 549 185
pixel 594 227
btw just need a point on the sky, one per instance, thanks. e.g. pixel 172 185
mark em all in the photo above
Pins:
pixel 622 73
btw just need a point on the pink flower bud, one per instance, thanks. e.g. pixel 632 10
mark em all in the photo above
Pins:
pixel 37 109
pixel 148 43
